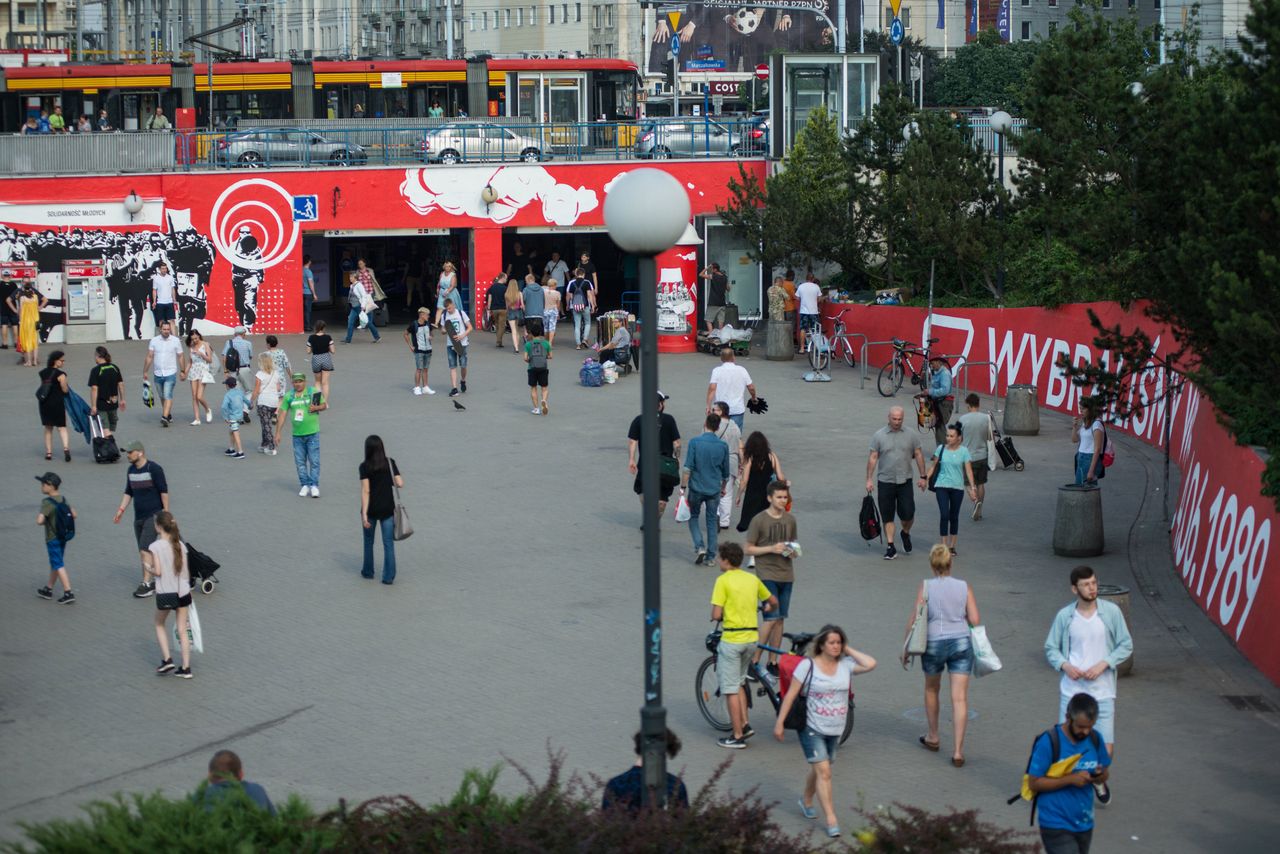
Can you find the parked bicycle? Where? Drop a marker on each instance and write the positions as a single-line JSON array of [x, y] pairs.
[[823, 349], [907, 361], [712, 704]]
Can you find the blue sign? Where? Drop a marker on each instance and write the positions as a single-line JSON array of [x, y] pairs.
[[306, 208], [895, 31], [704, 51], [675, 45], [705, 65]]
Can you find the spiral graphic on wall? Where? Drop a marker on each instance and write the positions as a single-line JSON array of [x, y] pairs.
[[252, 224]]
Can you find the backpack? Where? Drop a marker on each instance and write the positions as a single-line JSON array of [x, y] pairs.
[[64, 524], [537, 355], [1055, 750], [1108, 451], [233, 359], [869, 519]]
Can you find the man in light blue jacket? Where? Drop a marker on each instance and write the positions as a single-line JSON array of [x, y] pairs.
[[1087, 642]]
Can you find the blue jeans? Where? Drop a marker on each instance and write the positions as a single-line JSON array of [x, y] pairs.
[[737, 419], [949, 503], [581, 325], [388, 549], [306, 456], [353, 317], [1082, 467], [307, 299], [696, 503]]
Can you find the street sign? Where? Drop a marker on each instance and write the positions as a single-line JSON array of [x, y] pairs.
[[895, 5], [762, 71], [895, 30], [675, 45], [306, 208]]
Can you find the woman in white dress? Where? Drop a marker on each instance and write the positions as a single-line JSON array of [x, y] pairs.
[[447, 287], [201, 374]]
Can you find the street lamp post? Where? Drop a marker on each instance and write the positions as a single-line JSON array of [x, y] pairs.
[[646, 212], [1001, 122]]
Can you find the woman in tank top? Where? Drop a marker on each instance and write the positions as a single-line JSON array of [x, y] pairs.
[[951, 611]]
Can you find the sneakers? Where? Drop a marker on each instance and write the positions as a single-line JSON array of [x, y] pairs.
[[535, 411], [183, 673], [208, 416], [417, 390], [453, 392], [701, 558], [977, 511], [270, 452], [69, 597], [315, 492], [732, 743], [165, 666], [426, 389], [890, 553], [238, 455], [45, 593], [906, 542], [545, 408], [747, 732], [304, 492], [807, 812], [196, 423], [145, 589], [229, 452], [464, 386], [164, 422], [772, 669], [1103, 791]]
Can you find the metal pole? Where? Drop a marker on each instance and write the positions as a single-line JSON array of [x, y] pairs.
[[675, 85], [1000, 211], [842, 27], [448, 24], [653, 716]]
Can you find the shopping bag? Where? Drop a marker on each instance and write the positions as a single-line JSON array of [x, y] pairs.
[[364, 319], [193, 630], [682, 509], [402, 530], [992, 459], [985, 659]]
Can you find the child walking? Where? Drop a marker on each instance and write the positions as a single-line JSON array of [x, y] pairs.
[[54, 514], [537, 353], [233, 407]]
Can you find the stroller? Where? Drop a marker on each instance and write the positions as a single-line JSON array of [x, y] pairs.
[[202, 568]]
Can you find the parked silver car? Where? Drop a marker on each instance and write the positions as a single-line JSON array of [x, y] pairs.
[[467, 141], [687, 136], [285, 146]]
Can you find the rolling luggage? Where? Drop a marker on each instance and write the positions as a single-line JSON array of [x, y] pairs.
[[202, 568], [105, 449], [1008, 454]]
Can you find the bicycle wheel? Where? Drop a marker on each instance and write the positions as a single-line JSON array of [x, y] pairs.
[[846, 350], [848, 725], [819, 353], [890, 379], [710, 701]]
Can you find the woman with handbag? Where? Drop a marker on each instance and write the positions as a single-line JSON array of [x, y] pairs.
[[379, 478], [268, 389], [52, 395], [949, 609], [826, 679], [951, 469], [362, 299], [170, 569]]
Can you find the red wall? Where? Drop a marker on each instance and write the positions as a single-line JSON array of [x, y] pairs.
[[1221, 534], [217, 203]]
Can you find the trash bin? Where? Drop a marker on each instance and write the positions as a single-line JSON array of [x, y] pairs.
[[1120, 596], [1021, 411], [1077, 523], [780, 346]]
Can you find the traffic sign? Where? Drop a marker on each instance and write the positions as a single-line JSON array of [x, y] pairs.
[[762, 71], [895, 30], [675, 45]]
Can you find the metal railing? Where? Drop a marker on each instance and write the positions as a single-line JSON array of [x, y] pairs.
[[359, 143], [862, 357]]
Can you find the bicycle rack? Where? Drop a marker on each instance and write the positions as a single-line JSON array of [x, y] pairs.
[[961, 382], [856, 335], [862, 357]]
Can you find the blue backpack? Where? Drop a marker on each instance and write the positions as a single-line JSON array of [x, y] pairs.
[[592, 374], [64, 524]]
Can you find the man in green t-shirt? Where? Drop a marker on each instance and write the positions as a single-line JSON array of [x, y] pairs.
[[734, 600], [537, 355], [301, 408]]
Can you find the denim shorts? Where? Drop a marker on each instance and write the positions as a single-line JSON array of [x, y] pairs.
[[781, 589], [1105, 725], [954, 655], [54, 548], [732, 662], [165, 385], [422, 361], [456, 361], [818, 747]]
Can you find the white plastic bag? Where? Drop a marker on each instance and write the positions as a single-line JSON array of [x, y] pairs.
[[610, 372], [364, 319], [985, 659], [682, 509], [193, 630]]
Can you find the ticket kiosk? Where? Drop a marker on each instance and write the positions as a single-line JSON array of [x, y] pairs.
[[85, 286]]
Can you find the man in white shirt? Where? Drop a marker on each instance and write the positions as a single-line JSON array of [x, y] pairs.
[[166, 353], [558, 270], [809, 293], [457, 326], [730, 382], [162, 295]]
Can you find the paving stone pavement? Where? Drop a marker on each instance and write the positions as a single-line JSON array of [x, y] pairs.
[[515, 620]]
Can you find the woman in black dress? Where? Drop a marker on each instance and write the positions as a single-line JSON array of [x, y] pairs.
[[52, 395], [378, 506], [759, 466]]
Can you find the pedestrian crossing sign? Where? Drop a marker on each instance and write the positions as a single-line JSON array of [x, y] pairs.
[[306, 208]]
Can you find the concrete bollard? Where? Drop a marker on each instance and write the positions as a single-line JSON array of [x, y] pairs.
[[780, 345], [1120, 596], [1077, 525], [1021, 411]]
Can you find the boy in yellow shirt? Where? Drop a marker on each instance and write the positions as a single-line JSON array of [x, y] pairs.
[[734, 600]]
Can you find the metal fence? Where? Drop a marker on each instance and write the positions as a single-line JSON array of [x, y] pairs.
[[99, 153]]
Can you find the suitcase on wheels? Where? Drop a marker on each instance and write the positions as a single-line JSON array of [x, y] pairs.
[[105, 449], [1008, 454]]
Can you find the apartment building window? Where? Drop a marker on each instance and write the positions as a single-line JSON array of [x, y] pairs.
[[577, 8], [1157, 6], [439, 31], [1053, 3], [1026, 2], [609, 51], [533, 16], [1026, 31], [520, 17], [551, 13], [506, 18], [1133, 3], [484, 20], [473, 22], [1106, 4], [1053, 27], [906, 18], [608, 14], [564, 10]]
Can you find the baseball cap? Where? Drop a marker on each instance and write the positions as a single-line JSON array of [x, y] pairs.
[[134, 446], [50, 478], [300, 376], [230, 382], [241, 330], [662, 395]]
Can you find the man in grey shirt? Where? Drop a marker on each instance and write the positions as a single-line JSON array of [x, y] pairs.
[[893, 449], [705, 476], [976, 427], [731, 435], [534, 300]]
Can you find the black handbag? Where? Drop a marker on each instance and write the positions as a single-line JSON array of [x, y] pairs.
[[42, 393], [167, 601], [933, 476], [798, 716], [669, 467]]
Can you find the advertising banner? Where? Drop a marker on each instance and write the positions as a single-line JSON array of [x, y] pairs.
[[737, 35]]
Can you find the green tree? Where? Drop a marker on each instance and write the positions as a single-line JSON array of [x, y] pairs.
[[984, 73], [873, 157]]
